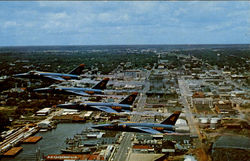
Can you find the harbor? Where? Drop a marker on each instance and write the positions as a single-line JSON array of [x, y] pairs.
[[15, 137], [51, 143]]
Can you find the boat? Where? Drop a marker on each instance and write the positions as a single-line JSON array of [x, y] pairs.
[[43, 130]]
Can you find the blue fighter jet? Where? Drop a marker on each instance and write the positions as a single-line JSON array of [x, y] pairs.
[[97, 90], [74, 74], [124, 106], [167, 126]]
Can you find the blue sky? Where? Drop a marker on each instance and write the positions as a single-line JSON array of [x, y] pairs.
[[101, 23]]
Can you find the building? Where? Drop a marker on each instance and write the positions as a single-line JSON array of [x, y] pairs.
[[43, 112], [225, 109], [45, 124], [142, 149], [208, 101], [168, 147], [88, 114], [69, 111], [233, 147], [107, 152], [132, 74]]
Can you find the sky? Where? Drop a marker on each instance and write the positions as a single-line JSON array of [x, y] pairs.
[[130, 22]]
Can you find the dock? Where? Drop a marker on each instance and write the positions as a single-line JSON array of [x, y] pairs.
[[16, 137], [32, 139], [13, 151]]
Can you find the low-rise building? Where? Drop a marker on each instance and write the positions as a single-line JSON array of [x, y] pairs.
[[43, 112], [142, 149], [225, 109], [44, 124]]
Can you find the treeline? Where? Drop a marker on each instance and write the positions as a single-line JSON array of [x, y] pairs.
[[231, 57], [64, 62]]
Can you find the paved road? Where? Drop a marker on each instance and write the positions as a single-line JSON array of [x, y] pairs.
[[122, 152], [187, 110], [194, 128]]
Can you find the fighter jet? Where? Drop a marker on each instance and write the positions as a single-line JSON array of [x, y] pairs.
[[124, 106], [74, 74], [97, 90], [167, 126]]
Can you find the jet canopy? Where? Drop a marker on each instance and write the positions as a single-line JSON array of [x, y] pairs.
[[116, 121], [53, 86], [33, 72]]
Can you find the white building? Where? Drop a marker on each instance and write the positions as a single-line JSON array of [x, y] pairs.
[[43, 112]]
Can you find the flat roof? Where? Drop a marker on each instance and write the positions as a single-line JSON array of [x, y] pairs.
[[13, 151], [32, 139], [144, 157], [232, 142], [142, 147]]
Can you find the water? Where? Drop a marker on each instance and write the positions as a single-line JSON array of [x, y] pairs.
[[51, 143]]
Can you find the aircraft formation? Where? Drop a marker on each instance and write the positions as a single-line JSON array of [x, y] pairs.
[[126, 105]]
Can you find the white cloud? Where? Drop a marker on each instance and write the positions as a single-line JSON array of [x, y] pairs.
[[8, 24], [121, 22], [60, 15]]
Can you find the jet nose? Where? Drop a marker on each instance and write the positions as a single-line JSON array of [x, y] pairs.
[[67, 105], [62, 105], [39, 90], [99, 127], [19, 75]]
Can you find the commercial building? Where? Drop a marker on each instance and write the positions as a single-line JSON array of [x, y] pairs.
[[43, 112]]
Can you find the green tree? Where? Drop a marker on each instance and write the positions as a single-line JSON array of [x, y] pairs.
[[4, 121]]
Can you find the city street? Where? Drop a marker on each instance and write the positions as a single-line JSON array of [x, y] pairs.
[[123, 148]]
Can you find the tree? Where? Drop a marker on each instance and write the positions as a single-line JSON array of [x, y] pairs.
[[4, 121]]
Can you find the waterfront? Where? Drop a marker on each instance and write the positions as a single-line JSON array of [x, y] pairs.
[[51, 142]]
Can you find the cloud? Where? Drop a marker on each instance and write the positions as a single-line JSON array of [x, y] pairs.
[[48, 23], [9, 24]]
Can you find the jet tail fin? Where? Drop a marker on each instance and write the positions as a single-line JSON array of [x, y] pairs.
[[77, 70], [130, 99], [102, 84], [171, 120]]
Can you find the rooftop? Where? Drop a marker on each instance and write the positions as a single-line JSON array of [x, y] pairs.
[[232, 142]]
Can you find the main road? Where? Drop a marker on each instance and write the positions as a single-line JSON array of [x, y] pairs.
[[187, 110], [194, 128], [122, 152]]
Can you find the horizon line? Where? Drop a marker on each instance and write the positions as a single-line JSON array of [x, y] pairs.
[[122, 44]]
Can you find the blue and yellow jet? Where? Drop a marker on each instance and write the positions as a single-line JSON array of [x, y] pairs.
[[74, 74], [124, 106], [167, 126], [95, 91]]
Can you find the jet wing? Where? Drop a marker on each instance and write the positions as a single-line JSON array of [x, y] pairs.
[[147, 130], [125, 110], [79, 93], [82, 93], [56, 78], [105, 109]]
